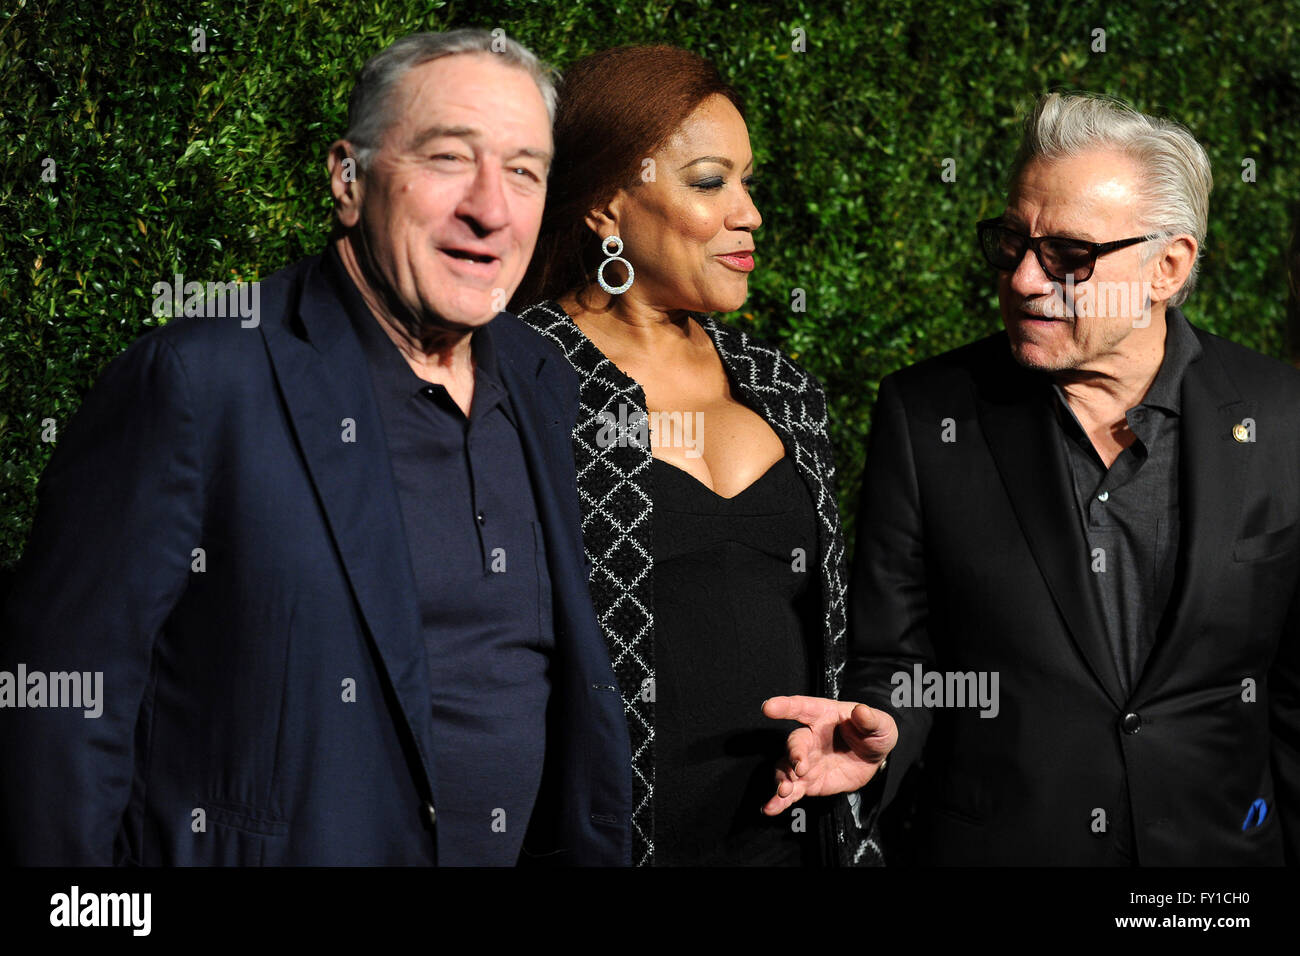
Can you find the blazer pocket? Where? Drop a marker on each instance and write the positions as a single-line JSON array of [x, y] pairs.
[[1262, 831], [960, 815], [1261, 546], [245, 819], [240, 836]]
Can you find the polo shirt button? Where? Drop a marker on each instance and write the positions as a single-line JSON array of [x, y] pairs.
[[433, 814], [481, 518], [1104, 496], [1131, 723]]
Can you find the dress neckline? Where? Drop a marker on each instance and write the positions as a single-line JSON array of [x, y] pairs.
[[771, 470]]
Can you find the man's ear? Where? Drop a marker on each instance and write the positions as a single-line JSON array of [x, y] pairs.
[[1170, 269], [345, 183]]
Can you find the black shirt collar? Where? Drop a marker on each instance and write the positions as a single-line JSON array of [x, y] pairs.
[[389, 367], [1181, 350], [1165, 392]]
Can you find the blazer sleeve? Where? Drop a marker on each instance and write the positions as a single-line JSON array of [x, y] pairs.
[[1284, 725], [118, 517], [888, 605]]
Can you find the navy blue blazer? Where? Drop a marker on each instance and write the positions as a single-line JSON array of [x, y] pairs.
[[266, 699]]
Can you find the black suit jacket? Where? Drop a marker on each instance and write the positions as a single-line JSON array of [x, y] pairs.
[[224, 688], [970, 557]]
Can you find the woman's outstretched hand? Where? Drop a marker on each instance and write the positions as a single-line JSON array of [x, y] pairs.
[[838, 750]]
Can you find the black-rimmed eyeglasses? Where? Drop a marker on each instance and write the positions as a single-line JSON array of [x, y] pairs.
[[1058, 256]]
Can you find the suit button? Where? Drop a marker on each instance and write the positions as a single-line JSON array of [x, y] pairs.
[[1131, 723], [433, 814], [482, 518]]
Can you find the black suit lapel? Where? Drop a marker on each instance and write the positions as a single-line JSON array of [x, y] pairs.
[[1213, 466], [324, 381], [1016, 416]]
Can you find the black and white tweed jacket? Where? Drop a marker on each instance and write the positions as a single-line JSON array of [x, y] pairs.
[[615, 492]]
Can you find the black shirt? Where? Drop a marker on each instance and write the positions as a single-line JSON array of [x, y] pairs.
[[479, 564], [1130, 513]]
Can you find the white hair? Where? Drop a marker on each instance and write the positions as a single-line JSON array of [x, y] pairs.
[[1175, 170], [369, 108]]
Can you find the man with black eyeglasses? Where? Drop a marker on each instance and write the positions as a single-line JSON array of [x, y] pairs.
[[1074, 609]]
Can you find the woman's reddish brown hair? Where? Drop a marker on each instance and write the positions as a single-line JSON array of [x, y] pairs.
[[616, 108]]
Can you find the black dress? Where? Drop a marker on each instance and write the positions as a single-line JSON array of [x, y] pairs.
[[735, 623]]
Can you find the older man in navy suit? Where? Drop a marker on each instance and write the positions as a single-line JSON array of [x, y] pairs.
[[327, 563]]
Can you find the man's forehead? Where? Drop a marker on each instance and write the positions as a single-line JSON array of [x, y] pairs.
[[469, 90], [1099, 186]]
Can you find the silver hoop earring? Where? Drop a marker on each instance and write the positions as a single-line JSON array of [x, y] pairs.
[[612, 246]]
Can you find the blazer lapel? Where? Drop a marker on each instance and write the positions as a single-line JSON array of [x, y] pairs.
[[1213, 467], [325, 384], [1015, 414], [539, 421]]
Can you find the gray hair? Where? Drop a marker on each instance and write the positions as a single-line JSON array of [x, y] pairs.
[[1175, 178], [369, 108]]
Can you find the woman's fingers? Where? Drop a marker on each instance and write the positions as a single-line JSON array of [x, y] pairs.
[[788, 790]]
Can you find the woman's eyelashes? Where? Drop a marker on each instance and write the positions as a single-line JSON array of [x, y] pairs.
[[717, 182]]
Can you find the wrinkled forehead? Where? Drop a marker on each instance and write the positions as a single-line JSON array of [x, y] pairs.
[[475, 90], [1094, 192]]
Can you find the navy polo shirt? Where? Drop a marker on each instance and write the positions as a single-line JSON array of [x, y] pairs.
[[484, 595]]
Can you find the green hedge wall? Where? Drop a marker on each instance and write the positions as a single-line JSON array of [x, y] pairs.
[[212, 163]]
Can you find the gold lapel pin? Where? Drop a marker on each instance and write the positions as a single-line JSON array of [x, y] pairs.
[[1241, 433]]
